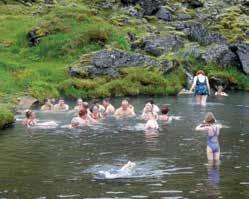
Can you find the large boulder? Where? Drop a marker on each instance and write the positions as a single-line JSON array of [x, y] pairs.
[[157, 46], [109, 62], [220, 54], [148, 7], [164, 14], [25, 102], [199, 33], [193, 3], [242, 51]]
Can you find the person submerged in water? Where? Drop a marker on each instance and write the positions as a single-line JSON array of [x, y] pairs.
[[95, 113], [79, 105], [61, 106], [165, 114], [220, 92], [151, 122], [125, 110], [96, 102], [48, 106], [147, 111], [30, 119], [83, 119], [109, 108], [213, 130]]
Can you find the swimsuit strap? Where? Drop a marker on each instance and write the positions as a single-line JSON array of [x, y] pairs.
[[215, 130]]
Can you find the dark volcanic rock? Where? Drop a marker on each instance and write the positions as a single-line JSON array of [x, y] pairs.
[[157, 46], [193, 3], [149, 7], [242, 51], [220, 54], [164, 14], [202, 35], [109, 62], [33, 39]]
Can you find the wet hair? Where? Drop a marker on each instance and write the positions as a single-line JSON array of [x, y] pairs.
[[82, 112], [46, 100], [150, 100], [200, 72], [209, 118], [94, 107], [28, 114], [107, 100], [164, 110], [220, 87], [85, 105]]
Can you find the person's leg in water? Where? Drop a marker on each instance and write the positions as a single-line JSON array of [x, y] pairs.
[[204, 100], [198, 99], [217, 157], [210, 154]]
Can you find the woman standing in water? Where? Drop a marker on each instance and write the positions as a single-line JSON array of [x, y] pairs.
[[202, 87], [29, 120], [213, 131]]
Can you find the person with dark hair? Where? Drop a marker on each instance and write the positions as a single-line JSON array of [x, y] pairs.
[[156, 109], [165, 114], [95, 113], [29, 120], [213, 130], [61, 106], [109, 108], [97, 103], [48, 106], [201, 86], [82, 119]]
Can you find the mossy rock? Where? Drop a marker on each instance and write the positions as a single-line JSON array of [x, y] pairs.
[[6, 117]]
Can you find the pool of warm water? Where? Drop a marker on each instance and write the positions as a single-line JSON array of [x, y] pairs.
[[63, 163]]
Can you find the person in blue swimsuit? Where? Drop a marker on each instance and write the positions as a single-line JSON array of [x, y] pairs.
[[213, 130], [201, 87]]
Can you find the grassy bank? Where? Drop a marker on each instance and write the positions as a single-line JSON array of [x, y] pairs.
[[67, 31]]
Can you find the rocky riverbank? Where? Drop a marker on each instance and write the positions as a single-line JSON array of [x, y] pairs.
[[111, 48]]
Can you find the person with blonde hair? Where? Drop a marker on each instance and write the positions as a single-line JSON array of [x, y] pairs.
[[202, 87], [152, 122], [220, 92], [213, 130]]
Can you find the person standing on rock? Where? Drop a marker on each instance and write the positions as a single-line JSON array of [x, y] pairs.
[[202, 87]]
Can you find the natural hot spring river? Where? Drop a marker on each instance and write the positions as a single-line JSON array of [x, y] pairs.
[[62, 163]]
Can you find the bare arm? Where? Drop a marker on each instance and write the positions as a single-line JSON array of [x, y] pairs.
[[208, 85], [201, 127], [193, 85]]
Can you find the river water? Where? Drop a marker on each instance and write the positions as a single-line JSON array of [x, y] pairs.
[[64, 163]]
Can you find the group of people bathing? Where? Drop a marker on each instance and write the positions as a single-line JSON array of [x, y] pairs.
[[94, 113]]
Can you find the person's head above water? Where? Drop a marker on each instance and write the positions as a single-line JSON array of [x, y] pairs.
[[85, 105], [61, 102], [106, 102], [94, 109], [83, 112], [220, 88], [150, 100], [148, 107], [200, 72], [164, 110], [28, 114], [79, 102], [209, 118], [125, 104], [47, 101]]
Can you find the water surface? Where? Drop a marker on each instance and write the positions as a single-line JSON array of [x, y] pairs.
[[63, 163]]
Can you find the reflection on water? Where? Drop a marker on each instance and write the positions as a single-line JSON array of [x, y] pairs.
[[65, 163]]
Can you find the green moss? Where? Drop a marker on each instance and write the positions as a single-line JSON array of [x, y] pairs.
[[233, 24], [6, 117]]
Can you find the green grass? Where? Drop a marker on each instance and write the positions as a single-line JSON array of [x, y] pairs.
[[6, 117]]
